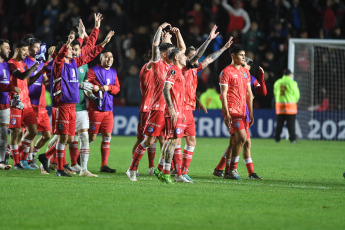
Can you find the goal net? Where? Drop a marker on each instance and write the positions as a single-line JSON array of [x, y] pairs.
[[318, 66]]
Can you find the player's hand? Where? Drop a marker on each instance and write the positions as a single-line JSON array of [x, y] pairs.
[[175, 30], [86, 86], [98, 19], [17, 90], [227, 120], [261, 70], [71, 38], [81, 30], [51, 50], [104, 88], [213, 33], [251, 117], [95, 88], [165, 24], [229, 43], [108, 37], [173, 116]]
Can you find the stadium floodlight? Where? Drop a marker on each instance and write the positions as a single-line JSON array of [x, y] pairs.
[[318, 66]]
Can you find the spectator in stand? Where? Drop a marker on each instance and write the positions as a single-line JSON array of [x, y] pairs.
[[253, 39], [197, 16], [130, 93], [239, 18], [278, 37], [296, 18], [52, 11], [46, 33], [131, 60]]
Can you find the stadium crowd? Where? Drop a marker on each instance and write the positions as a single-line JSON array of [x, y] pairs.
[[264, 27]]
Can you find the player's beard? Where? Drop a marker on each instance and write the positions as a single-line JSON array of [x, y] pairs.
[[3, 55]]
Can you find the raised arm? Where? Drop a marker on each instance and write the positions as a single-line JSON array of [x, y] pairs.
[[180, 41], [262, 90], [155, 45], [227, 7], [212, 57], [200, 51]]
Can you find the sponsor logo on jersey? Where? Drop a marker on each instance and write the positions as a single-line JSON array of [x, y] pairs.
[[172, 72], [150, 129], [61, 126], [13, 121], [245, 75], [237, 124], [178, 131], [92, 127]]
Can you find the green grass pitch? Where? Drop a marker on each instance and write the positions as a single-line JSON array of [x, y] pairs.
[[303, 188]]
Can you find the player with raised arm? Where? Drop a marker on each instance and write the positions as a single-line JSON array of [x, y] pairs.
[[22, 114], [66, 95], [260, 87], [155, 123], [5, 87], [101, 117], [191, 100], [235, 94], [38, 101], [82, 116]]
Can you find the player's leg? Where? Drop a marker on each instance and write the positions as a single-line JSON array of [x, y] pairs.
[[188, 154], [279, 127], [228, 156], [4, 120], [84, 153], [168, 155], [177, 158], [24, 146], [106, 129], [240, 139], [248, 160], [14, 138], [290, 123], [218, 171]]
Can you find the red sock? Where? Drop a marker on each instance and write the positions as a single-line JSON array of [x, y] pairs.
[[51, 151], [60, 154], [73, 152], [187, 158], [234, 162], [53, 159], [138, 154], [172, 166], [105, 148], [222, 164], [15, 153], [23, 145], [151, 155], [249, 165], [177, 161]]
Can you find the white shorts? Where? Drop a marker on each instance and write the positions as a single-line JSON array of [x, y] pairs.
[[5, 116], [82, 120]]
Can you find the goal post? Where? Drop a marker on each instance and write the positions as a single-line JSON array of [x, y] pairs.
[[318, 66]]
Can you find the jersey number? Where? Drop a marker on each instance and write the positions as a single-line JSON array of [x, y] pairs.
[[282, 90]]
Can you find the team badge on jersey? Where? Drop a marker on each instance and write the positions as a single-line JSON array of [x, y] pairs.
[[61, 127], [92, 127], [172, 72], [237, 124], [178, 131], [81, 70], [245, 75], [150, 129], [13, 121]]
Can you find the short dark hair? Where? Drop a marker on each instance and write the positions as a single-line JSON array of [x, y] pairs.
[[163, 47], [19, 44], [173, 53], [31, 40], [234, 49], [2, 41], [75, 42], [189, 49]]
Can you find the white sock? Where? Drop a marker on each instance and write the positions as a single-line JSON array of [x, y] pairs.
[[84, 150], [3, 142]]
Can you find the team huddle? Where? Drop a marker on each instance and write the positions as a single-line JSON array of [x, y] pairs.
[[82, 104]]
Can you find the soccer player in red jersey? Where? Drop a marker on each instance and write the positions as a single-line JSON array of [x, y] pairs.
[[38, 101], [155, 123], [191, 100], [66, 95], [259, 87], [5, 87], [101, 117], [236, 93], [26, 116]]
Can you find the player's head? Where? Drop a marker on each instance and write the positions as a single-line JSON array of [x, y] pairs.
[[34, 45], [165, 48], [76, 49], [249, 63], [107, 59], [5, 49], [190, 52], [238, 54], [21, 49], [177, 57]]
